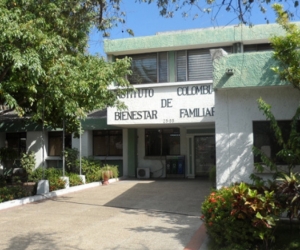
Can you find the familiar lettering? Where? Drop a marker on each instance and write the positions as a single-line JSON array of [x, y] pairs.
[[196, 112]]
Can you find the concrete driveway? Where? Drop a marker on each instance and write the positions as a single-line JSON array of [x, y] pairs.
[[129, 214]]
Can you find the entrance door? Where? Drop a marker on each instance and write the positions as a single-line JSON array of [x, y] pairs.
[[205, 154]]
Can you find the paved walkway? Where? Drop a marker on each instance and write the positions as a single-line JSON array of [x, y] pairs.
[[129, 214]]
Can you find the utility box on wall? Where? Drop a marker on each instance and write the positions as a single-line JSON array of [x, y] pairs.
[[175, 166]]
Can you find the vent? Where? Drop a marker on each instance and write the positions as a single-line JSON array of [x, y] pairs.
[[143, 173]]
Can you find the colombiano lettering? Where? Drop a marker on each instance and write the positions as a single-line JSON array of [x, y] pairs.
[[195, 90]]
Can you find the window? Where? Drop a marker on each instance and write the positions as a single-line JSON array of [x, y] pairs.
[[16, 141], [195, 65], [258, 47], [264, 139], [107, 143], [149, 68], [55, 143], [162, 142]]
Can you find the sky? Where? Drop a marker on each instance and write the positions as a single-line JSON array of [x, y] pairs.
[[144, 20]]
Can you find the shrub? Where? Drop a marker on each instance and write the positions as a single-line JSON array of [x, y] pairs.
[[12, 192], [91, 169], [288, 193], [248, 215], [74, 179], [37, 175], [53, 176], [71, 156], [27, 162], [56, 183]]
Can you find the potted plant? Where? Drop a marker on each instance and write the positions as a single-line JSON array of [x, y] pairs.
[[106, 174]]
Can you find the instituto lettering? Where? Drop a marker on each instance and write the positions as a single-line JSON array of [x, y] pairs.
[[139, 93]]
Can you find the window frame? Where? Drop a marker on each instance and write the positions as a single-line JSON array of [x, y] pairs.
[[17, 137], [266, 131], [187, 54], [109, 134], [164, 146], [58, 134], [158, 67]]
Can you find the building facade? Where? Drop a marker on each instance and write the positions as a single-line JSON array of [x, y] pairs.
[[199, 88], [194, 107]]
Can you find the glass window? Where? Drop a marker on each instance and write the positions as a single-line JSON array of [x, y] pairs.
[[149, 68], [258, 47], [55, 143], [107, 143], [16, 141], [195, 65], [162, 142], [265, 140]]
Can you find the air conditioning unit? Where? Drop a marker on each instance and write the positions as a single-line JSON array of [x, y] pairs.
[[143, 173]]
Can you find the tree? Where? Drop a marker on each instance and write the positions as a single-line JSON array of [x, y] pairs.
[[240, 9], [45, 72], [286, 49]]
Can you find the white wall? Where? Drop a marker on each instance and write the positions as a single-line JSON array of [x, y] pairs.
[[236, 109], [86, 143], [35, 142]]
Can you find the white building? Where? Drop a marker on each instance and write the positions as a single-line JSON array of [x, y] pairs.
[[195, 106]]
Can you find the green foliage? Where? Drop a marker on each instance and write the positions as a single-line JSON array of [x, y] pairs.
[[27, 162], [288, 193], [113, 168], [91, 169], [8, 154], [285, 183], [44, 68], [36, 175], [237, 10], [12, 192], [71, 156], [286, 48], [53, 175], [212, 175], [74, 179], [287, 235], [290, 149], [248, 213], [2, 181]]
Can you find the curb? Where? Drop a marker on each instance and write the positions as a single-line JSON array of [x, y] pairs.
[[198, 241], [39, 197]]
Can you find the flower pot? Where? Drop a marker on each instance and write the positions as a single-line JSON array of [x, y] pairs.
[[106, 175]]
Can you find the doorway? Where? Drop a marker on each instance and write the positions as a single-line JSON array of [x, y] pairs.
[[205, 154]]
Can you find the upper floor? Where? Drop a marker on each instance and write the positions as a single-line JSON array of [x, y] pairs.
[[190, 56]]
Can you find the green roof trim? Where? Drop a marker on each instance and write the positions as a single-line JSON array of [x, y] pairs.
[[24, 125], [96, 123], [208, 37], [19, 125]]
